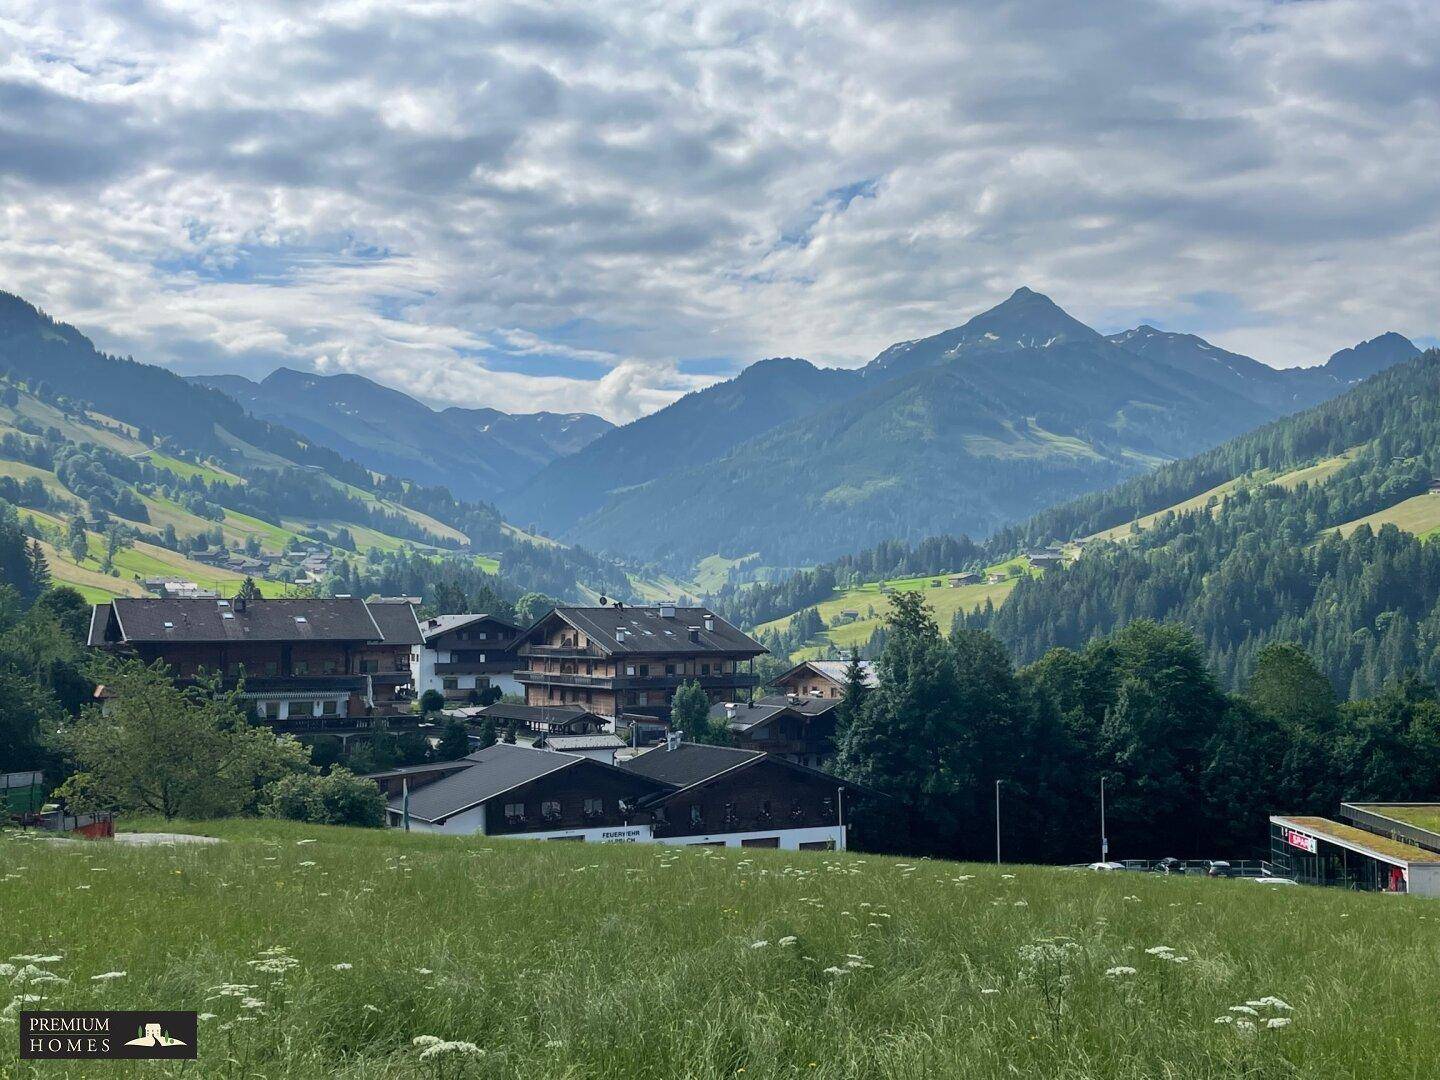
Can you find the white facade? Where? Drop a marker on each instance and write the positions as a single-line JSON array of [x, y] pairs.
[[422, 669], [472, 822]]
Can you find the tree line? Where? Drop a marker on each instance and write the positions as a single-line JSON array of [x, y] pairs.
[[1190, 769]]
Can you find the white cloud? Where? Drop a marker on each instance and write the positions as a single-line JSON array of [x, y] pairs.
[[549, 206]]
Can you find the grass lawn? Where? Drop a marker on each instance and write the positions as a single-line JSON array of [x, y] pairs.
[[185, 469], [326, 959], [1419, 515], [872, 604], [1422, 817]]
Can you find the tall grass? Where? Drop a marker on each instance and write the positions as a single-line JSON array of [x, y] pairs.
[[568, 960]]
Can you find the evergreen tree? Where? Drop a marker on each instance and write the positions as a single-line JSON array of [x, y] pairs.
[[853, 697], [690, 714], [454, 743], [76, 540]]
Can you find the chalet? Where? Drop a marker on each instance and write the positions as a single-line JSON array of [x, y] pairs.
[[821, 678], [994, 579], [970, 577], [620, 659], [681, 793], [797, 728], [724, 796], [463, 655], [1046, 562], [307, 665]]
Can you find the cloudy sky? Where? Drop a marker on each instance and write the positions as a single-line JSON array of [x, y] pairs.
[[601, 205]]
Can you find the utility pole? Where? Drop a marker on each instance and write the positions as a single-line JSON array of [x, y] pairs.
[[997, 821], [1104, 840]]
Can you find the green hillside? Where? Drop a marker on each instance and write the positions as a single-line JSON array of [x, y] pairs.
[[635, 962], [1320, 538]]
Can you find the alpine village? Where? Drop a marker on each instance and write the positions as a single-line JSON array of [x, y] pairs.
[[719, 541]]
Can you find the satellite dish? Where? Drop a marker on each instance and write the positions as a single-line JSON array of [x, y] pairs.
[[603, 601]]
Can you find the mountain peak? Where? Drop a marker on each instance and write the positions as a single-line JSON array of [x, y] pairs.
[[1369, 357]]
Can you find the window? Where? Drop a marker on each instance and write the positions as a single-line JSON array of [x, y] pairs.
[[550, 809], [594, 807], [644, 671], [369, 667], [669, 669], [450, 682], [761, 841], [329, 708], [629, 669], [302, 667], [515, 811], [271, 667], [704, 669], [262, 709], [330, 667], [817, 845], [695, 816], [301, 708]]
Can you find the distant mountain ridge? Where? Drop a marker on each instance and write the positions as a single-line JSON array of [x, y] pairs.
[[475, 452], [967, 430]]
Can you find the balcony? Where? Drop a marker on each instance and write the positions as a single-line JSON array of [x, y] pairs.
[[731, 680], [475, 667], [561, 651]]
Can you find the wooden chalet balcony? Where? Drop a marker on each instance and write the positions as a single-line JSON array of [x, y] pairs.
[[561, 650], [474, 667], [736, 679]]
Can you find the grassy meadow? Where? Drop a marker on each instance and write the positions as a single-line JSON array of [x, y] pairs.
[[323, 952]]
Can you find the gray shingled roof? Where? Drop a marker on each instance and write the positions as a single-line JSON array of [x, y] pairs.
[[568, 743], [550, 714], [688, 763], [497, 769], [443, 624], [396, 622], [746, 716], [647, 632], [146, 619]]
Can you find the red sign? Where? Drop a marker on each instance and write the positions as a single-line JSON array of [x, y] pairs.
[[1300, 840]]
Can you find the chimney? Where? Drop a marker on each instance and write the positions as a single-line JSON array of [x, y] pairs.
[[667, 609], [695, 634], [672, 740], [620, 634], [709, 622]]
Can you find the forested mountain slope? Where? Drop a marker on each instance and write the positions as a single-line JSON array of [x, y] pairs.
[[139, 456], [966, 431], [477, 453], [1270, 563]]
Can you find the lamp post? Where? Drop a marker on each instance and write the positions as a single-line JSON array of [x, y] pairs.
[[1104, 841], [997, 821]]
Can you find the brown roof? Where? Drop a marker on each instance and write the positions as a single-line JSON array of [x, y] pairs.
[[397, 622], [648, 632]]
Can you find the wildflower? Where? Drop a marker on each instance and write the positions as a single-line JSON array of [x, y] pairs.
[[1117, 972], [107, 975], [836, 971], [988, 991], [423, 971], [1020, 903], [788, 940], [759, 944], [1277, 1022], [1007, 877], [342, 967], [1244, 1009], [32, 958], [1273, 1002], [251, 1003], [426, 1040], [206, 1016], [1224, 1019], [370, 1008], [299, 842], [1159, 950]]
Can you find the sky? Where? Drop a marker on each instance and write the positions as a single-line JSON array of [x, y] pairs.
[[603, 205]]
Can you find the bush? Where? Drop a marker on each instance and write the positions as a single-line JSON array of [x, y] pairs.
[[340, 798]]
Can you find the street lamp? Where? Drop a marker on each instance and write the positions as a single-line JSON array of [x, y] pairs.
[[997, 821], [1104, 841]]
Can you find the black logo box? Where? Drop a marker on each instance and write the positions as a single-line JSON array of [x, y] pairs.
[[107, 1036]]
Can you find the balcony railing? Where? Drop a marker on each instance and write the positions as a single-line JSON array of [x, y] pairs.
[[474, 667], [638, 682], [560, 650]]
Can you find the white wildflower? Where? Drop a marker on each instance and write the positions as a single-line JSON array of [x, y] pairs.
[[759, 944], [423, 971], [1117, 972], [1277, 1022], [788, 939], [426, 1040], [1159, 950], [342, 967], [107, 975], [1273, 1002], [1244, 1009], [988, 991]]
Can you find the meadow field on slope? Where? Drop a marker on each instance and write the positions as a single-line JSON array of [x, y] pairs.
[[324, 952]]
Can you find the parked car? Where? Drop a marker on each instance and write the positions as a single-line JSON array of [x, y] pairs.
[[1219, 868], [1170, 866], [1107, 866]]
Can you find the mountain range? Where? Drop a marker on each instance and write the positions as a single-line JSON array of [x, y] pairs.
[[968, 430], [476, 453]]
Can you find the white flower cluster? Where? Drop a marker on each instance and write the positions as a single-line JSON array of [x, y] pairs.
[[1166, 953], [1262, 1014], [275, 960], [432, 1046]]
